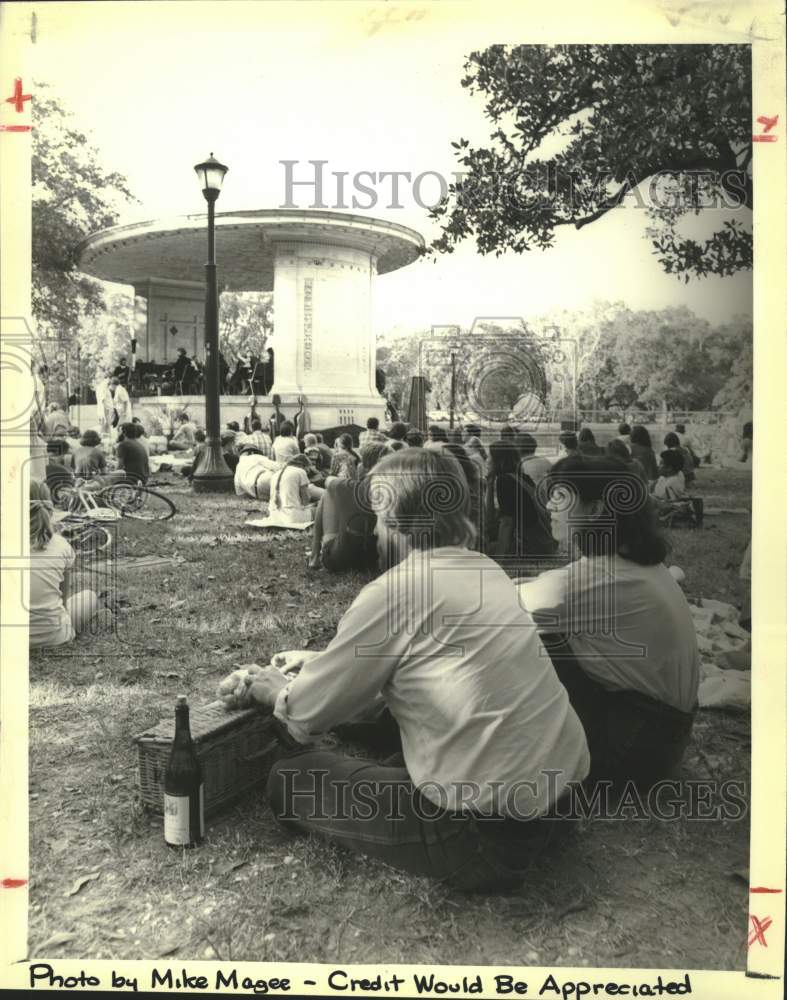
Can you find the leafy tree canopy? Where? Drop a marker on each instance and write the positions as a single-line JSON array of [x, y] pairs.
[[675, 116], [73, 195], [245, 323]]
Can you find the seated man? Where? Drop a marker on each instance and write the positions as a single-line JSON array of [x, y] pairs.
[[183, 438], [372, 434], [253, 473], [489, 741], [616, 623], [344, 522]]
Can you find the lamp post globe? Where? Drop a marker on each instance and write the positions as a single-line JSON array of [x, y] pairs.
[[212, 474]]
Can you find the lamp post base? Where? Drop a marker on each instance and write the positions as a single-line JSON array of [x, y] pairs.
[[213, 474]]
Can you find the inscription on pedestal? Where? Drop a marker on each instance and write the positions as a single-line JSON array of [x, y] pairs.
[[308, 286]]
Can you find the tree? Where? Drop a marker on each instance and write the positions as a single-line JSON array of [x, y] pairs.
[[245, 323], [72, 197], [102, 337], [736, 392], [674, 118]]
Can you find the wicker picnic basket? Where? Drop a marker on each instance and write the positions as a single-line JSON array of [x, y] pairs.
[[235, 747]]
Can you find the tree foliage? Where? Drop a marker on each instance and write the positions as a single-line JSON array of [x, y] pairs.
[[73, 195], [668, 359], [245, 323], [667, 127]]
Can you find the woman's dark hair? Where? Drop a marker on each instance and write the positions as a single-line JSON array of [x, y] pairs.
[[90, 439], [618, 450], [436, 433], [233, 425], [569, 440], [468, 465], [397, 431], [680, 428], [199, 434], [624, 429], [414, 439], [504, 457], [672, 461], [526, 443], [671, 440], [256, 425], [586, 436], [287, 429], [635, 534], [129, 430], [640, 435], [372, 423], [346, 441]]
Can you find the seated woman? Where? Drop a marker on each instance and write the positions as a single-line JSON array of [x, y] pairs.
[[344, 521], [489, 741], [522, 526], [642, 451], [672, 442], [57, 613], [671, 484], [290, 500], [285, 445], [345, 458], [586, 442], [618, 450], [132, 455], [622, 635], [89, 459]]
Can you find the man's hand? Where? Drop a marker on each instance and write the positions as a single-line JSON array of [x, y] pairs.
[[266, 686]]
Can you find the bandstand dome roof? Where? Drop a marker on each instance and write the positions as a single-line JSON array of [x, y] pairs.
[[176, 248]]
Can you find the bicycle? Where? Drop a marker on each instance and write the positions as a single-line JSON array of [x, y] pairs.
[[85, 536], [124, 499]]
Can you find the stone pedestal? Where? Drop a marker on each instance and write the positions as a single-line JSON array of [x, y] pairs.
[[324, 342]]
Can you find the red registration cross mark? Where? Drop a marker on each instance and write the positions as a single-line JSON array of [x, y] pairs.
[[18, 99], [759, 927]]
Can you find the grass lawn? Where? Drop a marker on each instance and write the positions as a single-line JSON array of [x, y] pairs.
[[621, 893]]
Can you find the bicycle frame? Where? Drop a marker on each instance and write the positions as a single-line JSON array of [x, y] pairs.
[[90, 508]]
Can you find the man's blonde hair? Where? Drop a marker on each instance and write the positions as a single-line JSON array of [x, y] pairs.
[[422, 495]]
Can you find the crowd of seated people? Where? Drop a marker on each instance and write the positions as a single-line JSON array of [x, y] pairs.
[[479, 686]]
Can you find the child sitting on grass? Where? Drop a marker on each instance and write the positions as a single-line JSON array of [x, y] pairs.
[[57, 613]]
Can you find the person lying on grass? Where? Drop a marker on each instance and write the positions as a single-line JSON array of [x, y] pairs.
[[58, 612], [344, 522], [439, 645], [616, 623]]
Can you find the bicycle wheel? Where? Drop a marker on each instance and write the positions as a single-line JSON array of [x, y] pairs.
[[64, 496], [87, 538], [139, 502]]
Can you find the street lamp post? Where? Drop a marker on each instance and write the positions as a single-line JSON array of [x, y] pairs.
[[212, 475]]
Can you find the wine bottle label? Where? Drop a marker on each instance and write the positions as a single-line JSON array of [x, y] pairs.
[[177, 819]]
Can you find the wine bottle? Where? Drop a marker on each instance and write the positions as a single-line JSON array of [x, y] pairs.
[[184, 789]]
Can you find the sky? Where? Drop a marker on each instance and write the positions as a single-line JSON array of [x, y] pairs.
[[364, 87]]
